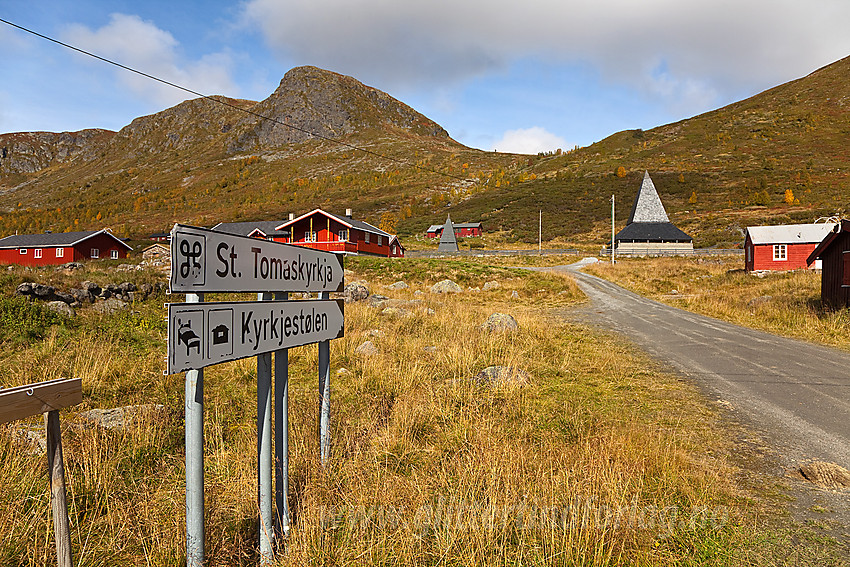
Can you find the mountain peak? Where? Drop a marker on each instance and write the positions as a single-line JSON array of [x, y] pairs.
[[312, 102]]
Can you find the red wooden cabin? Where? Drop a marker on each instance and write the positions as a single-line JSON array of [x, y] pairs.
[[782, 247], [834, 253], [336, 233], [462, 230], [61, 248]]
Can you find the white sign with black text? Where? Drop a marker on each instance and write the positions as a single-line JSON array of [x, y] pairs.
[[203, 334], [204, 260]]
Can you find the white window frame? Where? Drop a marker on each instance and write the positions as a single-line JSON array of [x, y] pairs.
[[366, 237], [780, 252], [94, 253], [36, 253], [343, 234], [310, 236], [60, 252], [113, 254], [380, 240], [22, 251]]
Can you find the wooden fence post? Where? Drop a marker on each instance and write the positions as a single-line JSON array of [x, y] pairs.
[[58, 502]]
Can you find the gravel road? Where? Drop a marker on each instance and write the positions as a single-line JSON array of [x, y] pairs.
[[796, 394]]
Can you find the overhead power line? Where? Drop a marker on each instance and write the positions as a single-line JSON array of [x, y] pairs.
[[235, 107]]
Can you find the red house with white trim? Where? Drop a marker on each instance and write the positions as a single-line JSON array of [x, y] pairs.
[[323, 231], [61, 247], [342, 234], [783, 247]]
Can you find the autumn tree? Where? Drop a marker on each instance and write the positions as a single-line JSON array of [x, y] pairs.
[[789, 196], [388, 222], [621, 171]]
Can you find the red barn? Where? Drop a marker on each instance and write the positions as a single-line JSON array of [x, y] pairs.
[[782, 247], [334, 233], [834, 253], [61, 247]]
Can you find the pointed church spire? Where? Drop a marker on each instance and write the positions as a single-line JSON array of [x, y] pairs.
[[647, 206], [448, 242]]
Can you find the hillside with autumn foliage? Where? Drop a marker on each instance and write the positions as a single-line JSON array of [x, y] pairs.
[[334, 143]]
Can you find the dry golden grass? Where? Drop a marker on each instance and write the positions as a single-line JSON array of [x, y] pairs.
[[603, 459], [785, 303]]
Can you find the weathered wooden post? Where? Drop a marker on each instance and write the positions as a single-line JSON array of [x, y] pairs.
[[48, 398]]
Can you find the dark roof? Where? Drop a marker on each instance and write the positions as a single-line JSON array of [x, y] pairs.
[[347, 221], [247, 228], [48, 239], [843, 226], [653, 232]]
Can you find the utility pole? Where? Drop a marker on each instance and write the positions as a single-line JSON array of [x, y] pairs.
[[612, 230], [540, 233]]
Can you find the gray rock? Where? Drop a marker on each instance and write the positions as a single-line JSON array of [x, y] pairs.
[[343, 372], [33, 438], [82, 296], [377, 300], [398, 285], [24, 288], [491, 285], [446, 286], [502, 376], [43, 291], [126, 287], [91, 287], [61, 308], [514, 295], [418, 293], [70, 267], [355, 291], [120, 418], [110, 305], [395, 312], [366, 349], [66, 297], [500, 323], [431, 349], [376, 333]]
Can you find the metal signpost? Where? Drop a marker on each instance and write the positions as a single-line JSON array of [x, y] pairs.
[[202, 334]]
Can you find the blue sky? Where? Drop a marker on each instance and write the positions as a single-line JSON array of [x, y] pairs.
[[513, 76]]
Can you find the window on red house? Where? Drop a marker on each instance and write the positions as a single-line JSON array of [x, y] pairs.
[[95, 253], [780, 252], [23, 250], [36, 253], [113, 254], [60, 252]]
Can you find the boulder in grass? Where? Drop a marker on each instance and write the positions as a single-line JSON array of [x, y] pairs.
[[61, 308], [500, 323], [398, 285], [366, 349], [355, 291], [494, 376], [110, 305], [491, 285], [446, 286]]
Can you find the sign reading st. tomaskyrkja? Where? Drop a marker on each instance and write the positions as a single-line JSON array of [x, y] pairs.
[[205, 260]]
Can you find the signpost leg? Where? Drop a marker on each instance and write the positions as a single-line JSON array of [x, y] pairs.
[[58, 503], [281, 431], [325, 395], [264, 452], [194, 418]]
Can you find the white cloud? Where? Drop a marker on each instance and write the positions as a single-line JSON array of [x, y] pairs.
[[131, 41], [529, 141], [712, 49]]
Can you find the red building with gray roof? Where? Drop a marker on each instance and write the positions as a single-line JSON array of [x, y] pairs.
[[52, 248]]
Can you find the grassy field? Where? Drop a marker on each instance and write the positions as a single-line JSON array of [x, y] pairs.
[[786, 303], [604, 458]]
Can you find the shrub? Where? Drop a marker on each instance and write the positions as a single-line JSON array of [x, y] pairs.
[[22, 320]]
